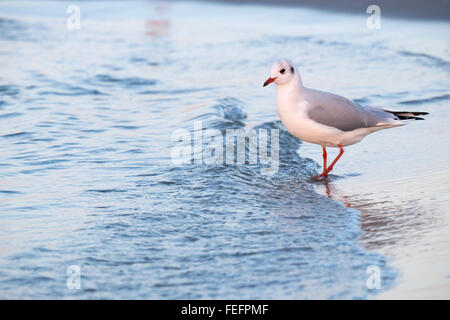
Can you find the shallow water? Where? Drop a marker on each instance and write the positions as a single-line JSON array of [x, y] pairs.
[[86, 124]]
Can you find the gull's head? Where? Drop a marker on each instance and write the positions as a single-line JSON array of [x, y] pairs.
[[281, 72]]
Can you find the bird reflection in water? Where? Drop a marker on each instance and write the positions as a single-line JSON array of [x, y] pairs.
[[332, 193], [386, 216]]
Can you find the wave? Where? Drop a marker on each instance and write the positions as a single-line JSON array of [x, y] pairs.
[[229, 202], [426, 58], [9, 90], [130, 82], [426, 100]]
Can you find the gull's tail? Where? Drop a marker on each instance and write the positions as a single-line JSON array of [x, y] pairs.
[[408, 115]]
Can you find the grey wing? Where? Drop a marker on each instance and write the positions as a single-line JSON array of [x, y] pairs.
[[343, 114]]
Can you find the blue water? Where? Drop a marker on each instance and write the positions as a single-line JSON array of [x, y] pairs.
[[86, 120]]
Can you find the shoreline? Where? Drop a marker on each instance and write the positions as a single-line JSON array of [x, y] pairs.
[[413, 9]]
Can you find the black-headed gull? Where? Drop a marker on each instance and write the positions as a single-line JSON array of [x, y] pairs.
[[325, 118]]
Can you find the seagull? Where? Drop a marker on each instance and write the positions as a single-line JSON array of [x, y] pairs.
[[325, 118]]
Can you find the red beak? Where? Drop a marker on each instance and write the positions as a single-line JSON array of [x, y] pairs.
[[268, 81]]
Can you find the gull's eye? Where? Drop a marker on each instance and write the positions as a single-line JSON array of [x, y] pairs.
[[282, 70]]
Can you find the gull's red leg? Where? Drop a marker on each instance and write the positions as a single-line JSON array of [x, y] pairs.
[[324, 160], [341, 152], [325, 172]]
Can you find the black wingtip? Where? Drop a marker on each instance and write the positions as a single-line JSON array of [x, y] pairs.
[[408, 115]]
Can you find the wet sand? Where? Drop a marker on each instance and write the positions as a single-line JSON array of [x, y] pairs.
[[416, 206]]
